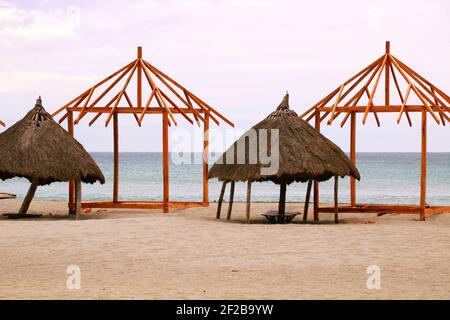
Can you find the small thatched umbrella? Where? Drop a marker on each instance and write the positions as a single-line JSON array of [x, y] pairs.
[[303, 155], [39, 149]]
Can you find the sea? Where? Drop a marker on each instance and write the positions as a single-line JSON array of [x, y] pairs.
[[385, 178]]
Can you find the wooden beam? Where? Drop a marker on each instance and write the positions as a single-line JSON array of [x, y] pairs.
[[139, 79], [205, 158], [145, 110], [418, 93], [165, 134], [116, 158], [316, 182], [249, 193], [353, 157], [29, 197], [70, 130], [386, 81], [282, 203], [136, 110], [77, 198], [230, 203], [423, 166], [308, 195], [108, 119], [131, 106], [200, 102], [196, 115], [378, 208], [158, 96], [383, 109], [96, 86], [336, 200], [219, 203], [372, 94], [400, 95], [139, 204], [404, 103]]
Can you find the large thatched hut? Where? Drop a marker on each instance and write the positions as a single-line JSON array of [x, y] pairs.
[[39, 149], [298, 153]]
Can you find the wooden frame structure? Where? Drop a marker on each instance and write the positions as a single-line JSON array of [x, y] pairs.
[[170, 99], [431, 101], [2, 124]]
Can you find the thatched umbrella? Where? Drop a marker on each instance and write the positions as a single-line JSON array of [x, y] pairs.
[[39, 149], [303, 155]]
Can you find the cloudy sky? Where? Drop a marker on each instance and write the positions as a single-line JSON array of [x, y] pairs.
[[240, 56]]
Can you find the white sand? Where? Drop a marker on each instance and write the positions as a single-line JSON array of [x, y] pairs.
[[188, 254]]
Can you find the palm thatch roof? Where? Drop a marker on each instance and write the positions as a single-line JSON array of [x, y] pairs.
[[304, 153], [36, 147]]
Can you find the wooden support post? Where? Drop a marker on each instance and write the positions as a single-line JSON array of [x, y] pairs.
[[316, 182], [165, 141], [205, 159], [308, 195], [219, 203], [282, 203], [139, 79], [70, 130], [423, 167], [78, 198], [230, 203], [30, 195], [336, 200], [249, 194], [116, 157], [387, 74], [353, 157]]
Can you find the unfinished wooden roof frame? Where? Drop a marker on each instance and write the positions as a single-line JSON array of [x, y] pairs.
[[190, 106], [433, 102]]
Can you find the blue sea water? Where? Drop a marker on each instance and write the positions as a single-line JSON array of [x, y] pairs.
[[385, 178]]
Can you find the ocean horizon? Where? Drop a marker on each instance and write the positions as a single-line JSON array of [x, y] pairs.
[[386, 177]]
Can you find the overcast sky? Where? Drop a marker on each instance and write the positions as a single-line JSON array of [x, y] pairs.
[[239, 56]]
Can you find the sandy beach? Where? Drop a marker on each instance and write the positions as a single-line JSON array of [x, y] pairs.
[[188, 254]]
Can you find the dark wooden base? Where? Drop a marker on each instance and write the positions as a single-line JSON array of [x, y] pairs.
[[274, 217], [141, 205]]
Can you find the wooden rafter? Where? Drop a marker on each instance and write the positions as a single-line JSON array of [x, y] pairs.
[[170, 96], [433, 100], [2, 123]]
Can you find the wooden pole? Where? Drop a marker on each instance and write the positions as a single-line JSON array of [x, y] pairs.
[[78, 198], [116, 157], [30, 194], [249, 193], [70, 129], [165, 128], [353, 157], [386, 85], [316, 182], [336, 201], [308, 195], [205, 159], [282, 203], [230, 203], [423, 167], [139, 79], [219, 204]]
